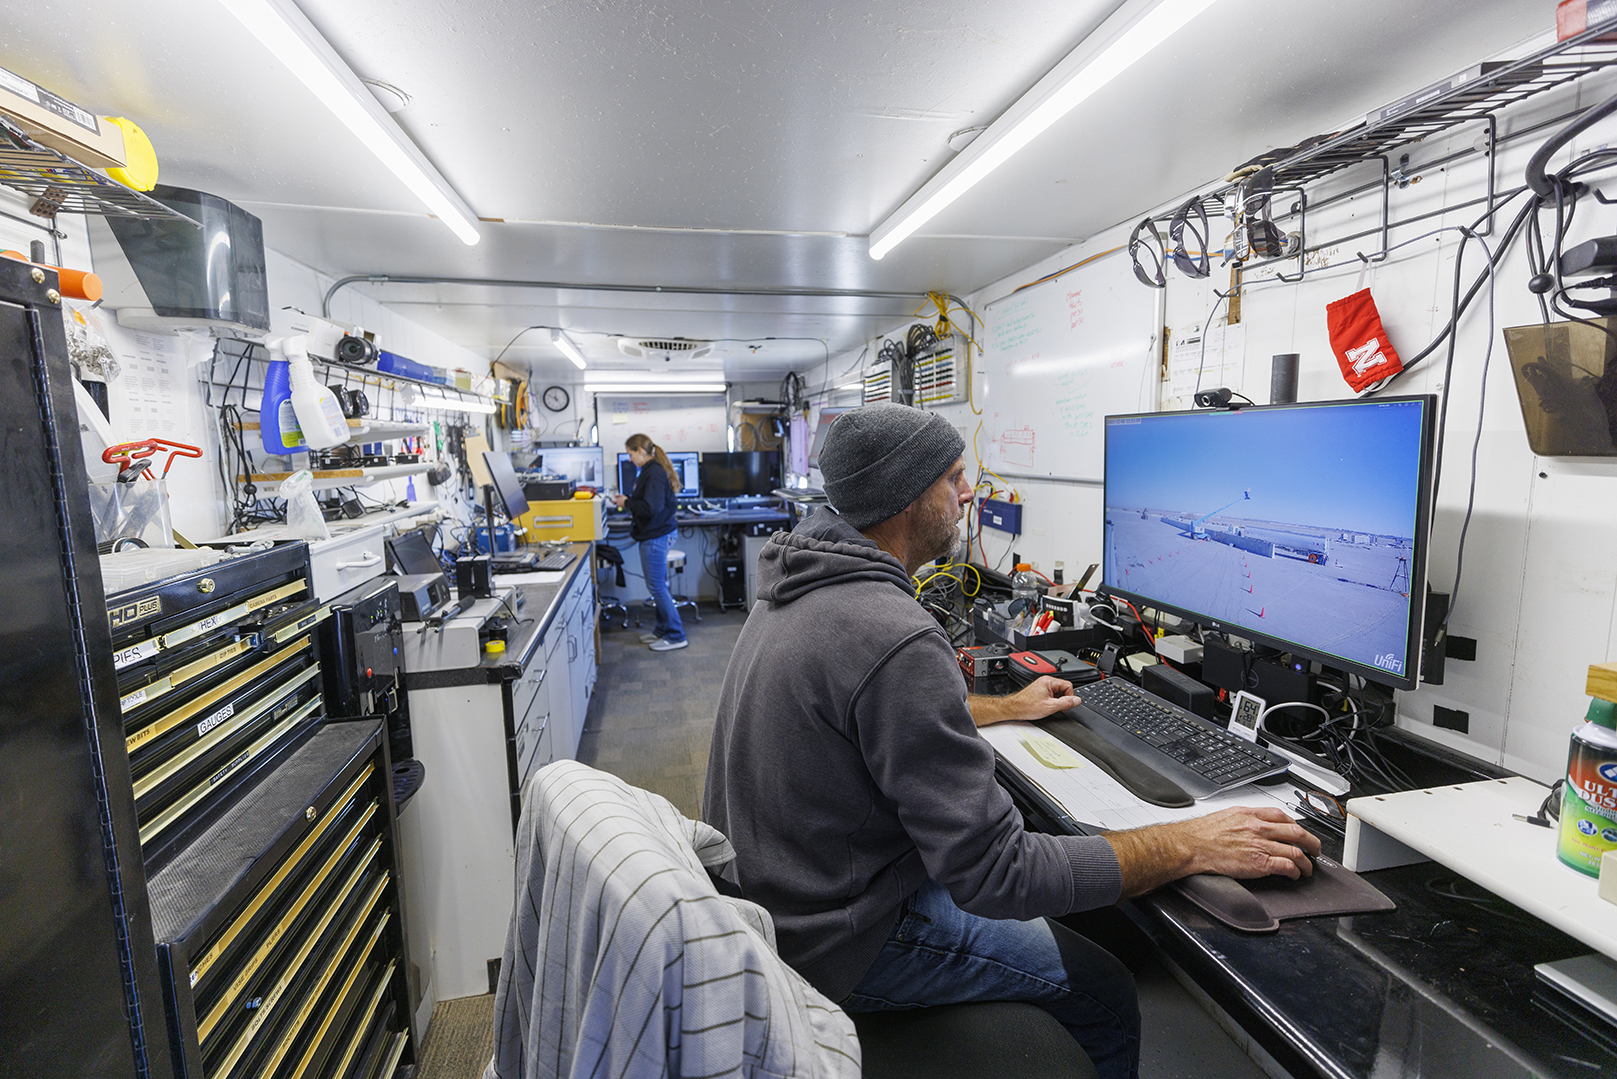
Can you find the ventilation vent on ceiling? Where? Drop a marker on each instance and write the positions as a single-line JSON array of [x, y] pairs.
[[668, 348]]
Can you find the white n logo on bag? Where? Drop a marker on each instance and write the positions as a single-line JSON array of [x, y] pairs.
[[1366, 356]]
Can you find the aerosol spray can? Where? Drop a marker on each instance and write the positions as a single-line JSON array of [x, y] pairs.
[[1589, 804]]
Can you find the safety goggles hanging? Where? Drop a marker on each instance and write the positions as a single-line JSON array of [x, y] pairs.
[[1147, 240], [1196, 265]]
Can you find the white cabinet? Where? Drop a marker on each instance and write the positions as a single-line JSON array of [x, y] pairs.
[[481, 732], [346, 561]]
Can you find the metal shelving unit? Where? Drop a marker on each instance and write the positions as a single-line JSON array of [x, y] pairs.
[[61, 185], [327, 479], [1418, 117]]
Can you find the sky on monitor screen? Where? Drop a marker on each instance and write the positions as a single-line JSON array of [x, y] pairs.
[[1352, 466]]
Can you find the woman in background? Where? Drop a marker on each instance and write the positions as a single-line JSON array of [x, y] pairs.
[[652, 506]]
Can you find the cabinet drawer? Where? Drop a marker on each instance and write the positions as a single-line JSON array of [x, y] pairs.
[[527, 687], [537, 753], [345, 562]]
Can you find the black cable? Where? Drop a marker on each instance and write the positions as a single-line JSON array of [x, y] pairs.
[[1544, 185], [1202, 367]]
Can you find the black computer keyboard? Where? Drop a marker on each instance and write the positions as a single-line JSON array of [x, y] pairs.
[[555, 560], [1207, 758]]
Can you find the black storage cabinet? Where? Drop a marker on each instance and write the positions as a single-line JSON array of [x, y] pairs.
[[79, 988]]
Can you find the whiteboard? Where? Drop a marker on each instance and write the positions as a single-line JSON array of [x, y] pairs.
[[674, 422], [1058, 358]]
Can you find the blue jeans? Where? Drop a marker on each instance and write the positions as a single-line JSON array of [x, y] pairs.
[[939, 954], [654, 562]]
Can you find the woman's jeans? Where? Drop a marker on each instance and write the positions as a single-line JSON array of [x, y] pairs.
[[654, 561]]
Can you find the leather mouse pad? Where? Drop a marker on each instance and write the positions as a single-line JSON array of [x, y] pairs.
[[1259, 906]]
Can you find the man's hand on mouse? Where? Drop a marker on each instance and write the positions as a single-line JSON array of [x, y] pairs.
[[1044, 696], [1237, 842]]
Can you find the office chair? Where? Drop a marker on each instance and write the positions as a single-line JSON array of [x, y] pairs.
[[966, 1041], [623, 958], [609, 557], [676, 566]]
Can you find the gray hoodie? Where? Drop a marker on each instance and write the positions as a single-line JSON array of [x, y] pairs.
[[846, 768]]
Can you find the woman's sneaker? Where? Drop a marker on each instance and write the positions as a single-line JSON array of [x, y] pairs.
[[666, 645], [648, 638]]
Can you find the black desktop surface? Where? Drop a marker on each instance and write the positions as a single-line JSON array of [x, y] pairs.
[[1443, 986]]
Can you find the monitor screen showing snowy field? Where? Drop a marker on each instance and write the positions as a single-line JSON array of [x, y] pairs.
[[1300, 526]]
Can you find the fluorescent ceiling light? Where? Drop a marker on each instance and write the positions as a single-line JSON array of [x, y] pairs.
[[560, 339], [1129, 34], [655, 387], [287, 33]]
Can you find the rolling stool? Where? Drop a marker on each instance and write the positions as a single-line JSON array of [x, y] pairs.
[[676, 565]]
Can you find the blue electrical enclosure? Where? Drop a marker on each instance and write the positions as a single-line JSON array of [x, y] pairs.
[[1002, 516]]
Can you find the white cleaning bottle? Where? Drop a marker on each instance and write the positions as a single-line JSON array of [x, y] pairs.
[[319, 413]]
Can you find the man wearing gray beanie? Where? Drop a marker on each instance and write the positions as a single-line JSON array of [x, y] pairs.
[[847, 772]]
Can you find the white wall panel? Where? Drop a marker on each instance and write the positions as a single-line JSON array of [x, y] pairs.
[[1539, 592]]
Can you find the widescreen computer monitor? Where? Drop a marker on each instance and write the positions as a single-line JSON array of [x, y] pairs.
[[1303, 527], [685, 465], [581, 464], [734, 475], [506, 483]]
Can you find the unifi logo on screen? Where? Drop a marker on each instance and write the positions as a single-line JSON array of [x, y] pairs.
[[1366, 356], [1390, 662]]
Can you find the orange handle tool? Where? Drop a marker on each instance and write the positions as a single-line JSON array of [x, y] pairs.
[[126, 454], [74, 284]]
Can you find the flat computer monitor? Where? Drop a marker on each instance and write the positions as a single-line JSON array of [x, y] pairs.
[[506, 483], [581, 464], [685, 465], [1303, 527], [735, 475], [412, 553]]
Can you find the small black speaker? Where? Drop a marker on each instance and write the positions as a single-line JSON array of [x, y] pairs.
[[473, 576], [1283, 378], [1178, 688]]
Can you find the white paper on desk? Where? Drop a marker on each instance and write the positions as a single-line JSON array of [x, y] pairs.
[[1091, 796]]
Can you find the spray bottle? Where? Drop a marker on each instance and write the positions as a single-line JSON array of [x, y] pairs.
[[318, 411], [1589, 804], [277, 423]]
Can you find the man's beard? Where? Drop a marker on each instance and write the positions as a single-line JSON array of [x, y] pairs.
[[939, 532]]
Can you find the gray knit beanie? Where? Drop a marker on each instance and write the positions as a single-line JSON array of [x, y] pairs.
[[878, 459]]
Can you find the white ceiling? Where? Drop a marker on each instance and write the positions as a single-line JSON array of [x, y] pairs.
[[722, 143]]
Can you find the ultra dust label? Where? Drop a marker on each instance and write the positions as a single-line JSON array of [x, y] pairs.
[[1589, 807]]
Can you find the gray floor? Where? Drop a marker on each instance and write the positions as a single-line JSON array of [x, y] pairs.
[[650, 723]]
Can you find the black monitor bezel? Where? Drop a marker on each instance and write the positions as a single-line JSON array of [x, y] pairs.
[[402, 541], [1415, 641], [717, 462], [506, 483], [696, 459]]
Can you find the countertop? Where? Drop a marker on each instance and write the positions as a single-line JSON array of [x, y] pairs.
[[1443, 986]]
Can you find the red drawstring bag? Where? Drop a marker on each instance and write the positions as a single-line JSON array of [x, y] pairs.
[[1359, 341]]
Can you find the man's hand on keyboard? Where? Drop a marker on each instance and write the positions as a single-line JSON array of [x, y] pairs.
[[1045, 696], [1237, 842]]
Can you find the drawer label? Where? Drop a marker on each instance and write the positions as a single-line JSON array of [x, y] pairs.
[[137, 610], [128, 657], [214, 720], [137, 697], [225, 772]]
